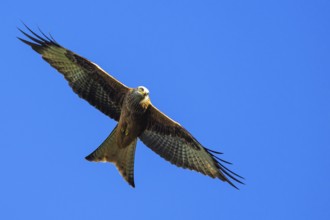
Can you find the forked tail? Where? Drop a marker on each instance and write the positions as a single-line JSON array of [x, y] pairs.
[[123, 158]]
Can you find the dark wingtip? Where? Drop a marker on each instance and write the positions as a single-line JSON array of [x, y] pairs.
[[132, 184], [225, 174], [37, 40], [213, 151], [232, 184], [90, 157], [35, 47]]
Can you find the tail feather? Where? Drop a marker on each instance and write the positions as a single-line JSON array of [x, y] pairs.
[[123, 158]]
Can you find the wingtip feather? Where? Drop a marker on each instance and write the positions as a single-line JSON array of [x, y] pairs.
[[36, 39]]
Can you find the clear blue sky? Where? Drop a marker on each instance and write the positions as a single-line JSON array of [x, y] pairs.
[[247, 78]]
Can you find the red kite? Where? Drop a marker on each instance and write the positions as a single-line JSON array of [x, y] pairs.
[[136, 116]]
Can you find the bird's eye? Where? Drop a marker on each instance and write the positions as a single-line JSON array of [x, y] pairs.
[[141, 89]]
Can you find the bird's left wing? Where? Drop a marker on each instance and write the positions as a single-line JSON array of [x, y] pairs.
[[175, 144], [86, 78]]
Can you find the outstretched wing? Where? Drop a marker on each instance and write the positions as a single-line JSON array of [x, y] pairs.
[[86, 78], [175, 144]]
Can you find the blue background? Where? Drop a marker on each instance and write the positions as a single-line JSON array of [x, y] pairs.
[[247, 78]]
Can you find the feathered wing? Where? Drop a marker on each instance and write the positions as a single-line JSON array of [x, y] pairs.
[[175, 144], [87, 79]]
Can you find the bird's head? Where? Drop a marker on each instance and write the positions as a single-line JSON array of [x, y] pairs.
[[141, 95], [143, 91]]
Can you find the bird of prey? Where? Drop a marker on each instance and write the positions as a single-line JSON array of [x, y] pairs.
[[137, 117]]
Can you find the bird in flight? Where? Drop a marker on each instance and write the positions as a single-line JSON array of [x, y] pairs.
[[137, 117]]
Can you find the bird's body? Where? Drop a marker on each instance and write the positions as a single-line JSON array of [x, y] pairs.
[[119, 147], [137, 117], [132, 119]]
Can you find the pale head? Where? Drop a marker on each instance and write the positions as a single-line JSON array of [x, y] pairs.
[[139, 98], [143, 90], [140, 94]]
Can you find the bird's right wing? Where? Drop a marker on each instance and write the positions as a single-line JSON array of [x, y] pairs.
[[175, 144], [86, 78]]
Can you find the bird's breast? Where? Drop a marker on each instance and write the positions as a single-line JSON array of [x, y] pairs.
[[131, 124]]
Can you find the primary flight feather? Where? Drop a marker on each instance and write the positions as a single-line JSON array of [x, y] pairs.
[[136, 116]]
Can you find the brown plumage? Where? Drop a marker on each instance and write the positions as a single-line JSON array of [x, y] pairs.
[[136, 116]]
